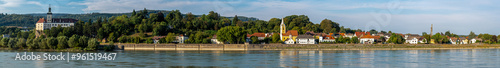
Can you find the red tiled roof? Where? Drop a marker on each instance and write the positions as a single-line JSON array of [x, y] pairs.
[[359, 34], [376, 37], [158, 37], [328, 36], [257, 34], [367, 36], [292, 32], [41, 20]]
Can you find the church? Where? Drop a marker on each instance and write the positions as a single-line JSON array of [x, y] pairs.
[[288, 37], [49, 22]]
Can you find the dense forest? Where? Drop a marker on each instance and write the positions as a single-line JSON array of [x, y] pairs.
[[29, 20]]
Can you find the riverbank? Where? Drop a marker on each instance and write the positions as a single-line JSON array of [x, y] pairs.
[[302, 46]]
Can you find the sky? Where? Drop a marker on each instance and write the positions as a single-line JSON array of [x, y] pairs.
[[400, 16]]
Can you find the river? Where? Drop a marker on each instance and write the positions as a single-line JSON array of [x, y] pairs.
[[272, 58]]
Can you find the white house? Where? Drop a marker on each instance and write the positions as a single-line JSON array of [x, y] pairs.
[[305, 39], [412, 40], [289, 41], [326, 39], [181, 38], [5, 36], [215, 41], [454, 40], [474, 40], [366, 39]]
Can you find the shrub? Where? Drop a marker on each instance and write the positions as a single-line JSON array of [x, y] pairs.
[[92, 44], [12, 43], [74, 41], [51, 42], [83, 41], [21, 43], [4, 42], [62, 42]]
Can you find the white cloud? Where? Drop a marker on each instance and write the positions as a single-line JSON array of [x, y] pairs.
[[14, 3]]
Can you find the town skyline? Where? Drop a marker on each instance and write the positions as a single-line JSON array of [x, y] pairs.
[[415, 17]]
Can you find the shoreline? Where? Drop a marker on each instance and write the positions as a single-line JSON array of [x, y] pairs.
[[240, 47]]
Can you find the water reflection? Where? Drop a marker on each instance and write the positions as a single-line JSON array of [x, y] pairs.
[[277, 58]]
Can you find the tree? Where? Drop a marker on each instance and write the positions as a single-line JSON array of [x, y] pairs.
[[383, 39], [123, 39], [12, 43], [328, 26], [170, 38], [21, 43], [62, 42], [92, 44], [51, 42], [231, 34], [373, 31], [255, 39], [82, 41], [276, 38], [354, 40], [235, 19], [472, 35], [29, 43], [4, 42], [74, 41], [396, 39]]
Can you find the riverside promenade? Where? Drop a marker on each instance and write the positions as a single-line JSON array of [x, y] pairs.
[[128, 46]]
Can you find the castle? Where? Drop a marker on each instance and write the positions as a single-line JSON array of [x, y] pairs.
[[50, 22]]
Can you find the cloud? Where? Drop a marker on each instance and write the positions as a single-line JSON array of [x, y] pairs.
[[4, 4]]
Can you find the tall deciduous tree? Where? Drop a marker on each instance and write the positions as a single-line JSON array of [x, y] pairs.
[[231, 34]]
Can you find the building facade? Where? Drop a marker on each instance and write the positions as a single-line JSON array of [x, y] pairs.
[[49, 22]]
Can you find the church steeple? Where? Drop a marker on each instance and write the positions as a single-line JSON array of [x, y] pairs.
[[282, 28], [49, 15]]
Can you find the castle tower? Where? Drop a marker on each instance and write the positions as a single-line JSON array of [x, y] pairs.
[[282, 29], [49, 15]]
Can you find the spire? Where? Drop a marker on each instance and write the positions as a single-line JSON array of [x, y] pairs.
[[50, 9]]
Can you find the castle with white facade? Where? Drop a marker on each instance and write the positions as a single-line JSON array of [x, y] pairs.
[[49, 22]]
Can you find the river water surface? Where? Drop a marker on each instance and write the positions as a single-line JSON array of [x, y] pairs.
[[272, 58]]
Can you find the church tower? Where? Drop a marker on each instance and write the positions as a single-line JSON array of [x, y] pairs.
[[49, 15], [282, 28]]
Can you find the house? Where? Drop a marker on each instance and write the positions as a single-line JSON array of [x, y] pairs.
[[305, 39], [156, 39], [5, 36], [289, 41], [326, 38], [422, 40], [215, 41], [292, 34], [464, 40], [377, 39], [454, 40], [366, 39], [412, 39], [349, 35], [260, 36], [361, 34], [181, 38], [474, 40]]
